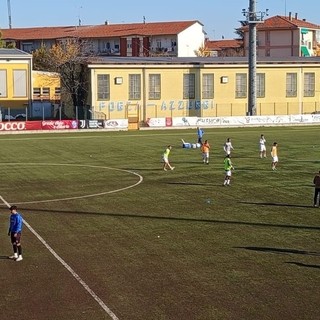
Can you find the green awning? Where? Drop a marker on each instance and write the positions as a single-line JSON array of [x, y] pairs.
[[305, 51], [304, 30]]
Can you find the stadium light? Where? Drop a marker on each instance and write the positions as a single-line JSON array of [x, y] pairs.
[[253, 18]]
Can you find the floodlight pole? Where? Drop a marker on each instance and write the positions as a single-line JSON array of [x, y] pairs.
[[253, 18]]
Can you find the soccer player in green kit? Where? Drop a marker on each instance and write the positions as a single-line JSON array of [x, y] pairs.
[[228, 167], [165, 159]]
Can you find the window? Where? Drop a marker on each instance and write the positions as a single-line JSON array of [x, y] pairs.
[[154, 86], [36, 92], [261, 85], [189, 81], [241, 85], [19, 83], [46, 92], [207, 86], [27, 46], [291, 85], [309, 84], [103, 86], [134, 86], [57, 90], [3, 83], [116, 47]]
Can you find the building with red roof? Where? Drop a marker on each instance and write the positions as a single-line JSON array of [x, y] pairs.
[[177, 38], [285, 36], [225, 48]]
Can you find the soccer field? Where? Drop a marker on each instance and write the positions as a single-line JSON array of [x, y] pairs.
[[110, 235]]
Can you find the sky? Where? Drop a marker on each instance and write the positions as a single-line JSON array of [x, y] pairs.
[[219, 17]]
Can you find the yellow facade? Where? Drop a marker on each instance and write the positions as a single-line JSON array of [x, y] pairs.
[[274, 98], [46, 86], [15, 79]]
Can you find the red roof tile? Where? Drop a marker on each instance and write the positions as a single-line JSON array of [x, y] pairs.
[[282, 22], [223, 44], [98, 31]]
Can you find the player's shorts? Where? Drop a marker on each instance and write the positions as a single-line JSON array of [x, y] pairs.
[[16, 239], [228, 152], [205, 154], [165, 159], [274, 159], [262, 148], [228, 173]]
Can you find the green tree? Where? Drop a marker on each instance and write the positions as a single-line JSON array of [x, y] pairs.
[[239, 31]]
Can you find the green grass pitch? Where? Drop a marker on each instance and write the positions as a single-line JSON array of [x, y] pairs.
[[162, 245]]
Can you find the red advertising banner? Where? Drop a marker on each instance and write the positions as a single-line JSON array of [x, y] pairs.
[[38, 125], [13, 126], [20, 125], [59, 124], [33, 125]]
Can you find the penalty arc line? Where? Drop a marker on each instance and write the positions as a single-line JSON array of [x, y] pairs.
[[83, 196], [74, 274]]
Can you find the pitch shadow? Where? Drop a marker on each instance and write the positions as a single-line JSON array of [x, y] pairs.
[[300, 264], [281, 250], [273, 204], [170, 218]]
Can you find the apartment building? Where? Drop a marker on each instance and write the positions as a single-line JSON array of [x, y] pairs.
[[285, 36], [177, 38]]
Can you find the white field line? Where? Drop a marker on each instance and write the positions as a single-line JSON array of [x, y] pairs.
[[74, 274], [78, 165]]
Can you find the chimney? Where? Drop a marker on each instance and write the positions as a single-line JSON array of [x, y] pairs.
[[106, 22], [290, 16], [296, 16]]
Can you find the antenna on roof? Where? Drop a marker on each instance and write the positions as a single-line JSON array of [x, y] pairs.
[[285, 8], [9, 13], [144, 19], [79, 17]]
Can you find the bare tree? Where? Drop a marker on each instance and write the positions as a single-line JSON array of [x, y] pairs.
[[3, 43], [203, 51], [68, 58]]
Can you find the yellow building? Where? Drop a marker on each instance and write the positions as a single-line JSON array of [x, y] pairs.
[[46, 86], [142, 88], [46, 97], [15, 82]]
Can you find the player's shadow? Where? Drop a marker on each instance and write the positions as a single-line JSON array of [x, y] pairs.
[[304, 265], [3, 257], [190, 183], [171, 218], [140, 169], [274, 204], [281, 250]]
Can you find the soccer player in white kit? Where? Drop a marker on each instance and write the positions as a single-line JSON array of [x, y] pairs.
[[227, 147], [263, 150]]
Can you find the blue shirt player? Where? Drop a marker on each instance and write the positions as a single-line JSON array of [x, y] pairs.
[[200, 133], [14, 232]]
